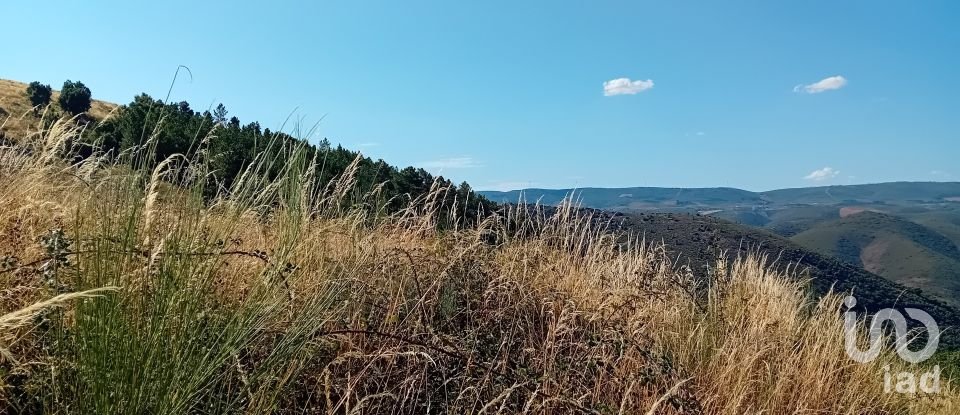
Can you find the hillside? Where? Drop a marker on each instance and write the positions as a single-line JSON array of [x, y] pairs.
[[785, 220], [915, 243], [945, 222], [697, 241], [130, 290], [16, 114], [177, 130], [898, 249]]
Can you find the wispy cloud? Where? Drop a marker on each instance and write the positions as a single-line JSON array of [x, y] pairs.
[[820, 175], [941, 174], [825, 84], [624, 86], [508, 185], [368, 145], [450, 163]]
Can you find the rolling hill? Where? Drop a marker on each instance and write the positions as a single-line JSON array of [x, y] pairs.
[[16, 114], [900, 250], [898, 193], [634, 198], [946, 222], [644, 198], [907, 232], [697, 241], [177, 130]]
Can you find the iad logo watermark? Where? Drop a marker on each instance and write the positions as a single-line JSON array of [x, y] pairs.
[[903, 382]]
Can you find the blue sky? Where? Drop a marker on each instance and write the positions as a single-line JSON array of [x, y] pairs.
[[508, 94]]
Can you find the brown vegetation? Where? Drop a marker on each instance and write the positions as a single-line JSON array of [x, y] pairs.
[[278, 297]]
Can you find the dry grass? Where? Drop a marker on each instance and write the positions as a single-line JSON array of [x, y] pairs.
[[273, 299], [17, 118]]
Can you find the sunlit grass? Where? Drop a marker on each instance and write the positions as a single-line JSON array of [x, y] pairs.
[[137, 288]]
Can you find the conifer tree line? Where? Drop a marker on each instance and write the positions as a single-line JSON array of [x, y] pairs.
[[179, 129]]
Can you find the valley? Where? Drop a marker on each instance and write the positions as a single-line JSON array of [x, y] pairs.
[[906, 232]]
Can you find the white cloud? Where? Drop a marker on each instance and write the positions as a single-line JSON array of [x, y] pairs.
[[507, 186], [825, 173], [450, 163], [701, 133], [624, 86], [368, 145], [825, 84]]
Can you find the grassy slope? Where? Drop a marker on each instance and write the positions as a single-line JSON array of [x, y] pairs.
[[274, 300], [945, 222], [16, 114], [898, 249]]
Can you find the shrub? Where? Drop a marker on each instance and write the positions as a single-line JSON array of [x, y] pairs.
[[39, 94], [74, 97]]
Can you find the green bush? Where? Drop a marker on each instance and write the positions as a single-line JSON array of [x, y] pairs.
[[39, 94], [74, 97]]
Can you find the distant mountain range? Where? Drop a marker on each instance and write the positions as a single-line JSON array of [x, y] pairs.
[[683, 199], [906, 232]]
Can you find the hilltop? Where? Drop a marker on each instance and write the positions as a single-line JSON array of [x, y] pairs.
[[177, 130], [16, 114]]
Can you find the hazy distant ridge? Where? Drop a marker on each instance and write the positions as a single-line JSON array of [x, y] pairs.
[[644, 197]]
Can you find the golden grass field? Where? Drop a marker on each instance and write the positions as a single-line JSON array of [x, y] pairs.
[[127, 288]]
